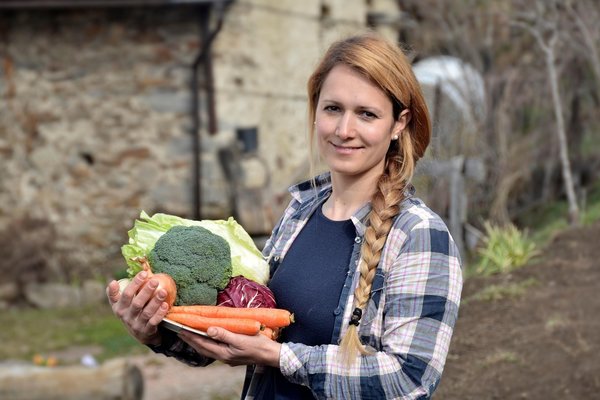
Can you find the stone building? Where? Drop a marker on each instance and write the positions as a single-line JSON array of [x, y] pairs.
[[194, 108]]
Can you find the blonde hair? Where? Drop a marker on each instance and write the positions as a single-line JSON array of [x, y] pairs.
[[384, 64]]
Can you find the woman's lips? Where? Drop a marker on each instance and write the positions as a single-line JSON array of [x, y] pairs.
[[345, 149]]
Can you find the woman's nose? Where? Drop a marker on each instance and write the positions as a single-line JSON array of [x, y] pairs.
[[345, 126]]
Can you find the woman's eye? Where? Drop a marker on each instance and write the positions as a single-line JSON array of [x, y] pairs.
[[368, 115], [331, 108]]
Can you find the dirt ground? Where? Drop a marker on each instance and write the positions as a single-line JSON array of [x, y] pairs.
[[544, 344], [541, 344]]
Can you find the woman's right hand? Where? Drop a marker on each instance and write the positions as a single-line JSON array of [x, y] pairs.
[[140, 310]]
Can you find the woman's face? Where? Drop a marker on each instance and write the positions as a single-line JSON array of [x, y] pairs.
[[354, 124]]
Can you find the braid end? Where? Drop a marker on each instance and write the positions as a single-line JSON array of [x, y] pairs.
[[351, 346]]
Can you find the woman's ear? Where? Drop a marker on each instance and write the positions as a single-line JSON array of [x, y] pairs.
[[401, 123]]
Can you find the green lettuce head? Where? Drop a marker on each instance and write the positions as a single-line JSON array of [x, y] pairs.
[[246, 258]]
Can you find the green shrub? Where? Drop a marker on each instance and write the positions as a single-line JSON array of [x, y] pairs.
[[504, 249]]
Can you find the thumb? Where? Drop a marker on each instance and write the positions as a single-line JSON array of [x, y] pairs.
[[219, 334]]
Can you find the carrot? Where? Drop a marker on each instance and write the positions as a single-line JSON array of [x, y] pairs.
[[236, 325], [272, 317]]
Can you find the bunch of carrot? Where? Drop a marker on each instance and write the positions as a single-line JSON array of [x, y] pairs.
[[248, 321]]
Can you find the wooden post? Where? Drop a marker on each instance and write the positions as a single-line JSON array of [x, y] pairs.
[[458, 170], [458, 202], [114, 380]]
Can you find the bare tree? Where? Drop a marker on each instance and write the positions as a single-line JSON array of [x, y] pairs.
[[515, 139], [588, 28], [513, 153], [547, 32]]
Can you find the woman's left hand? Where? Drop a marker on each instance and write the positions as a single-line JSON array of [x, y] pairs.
[[233, 348]]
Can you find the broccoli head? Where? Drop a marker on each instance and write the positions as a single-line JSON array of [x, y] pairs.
[[198, 261]]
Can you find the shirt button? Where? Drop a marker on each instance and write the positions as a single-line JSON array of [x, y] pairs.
[[337, 311], [357, 239], [276, 258]]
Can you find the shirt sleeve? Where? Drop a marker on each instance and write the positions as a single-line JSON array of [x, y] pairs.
[[422, 295], [172, 346]]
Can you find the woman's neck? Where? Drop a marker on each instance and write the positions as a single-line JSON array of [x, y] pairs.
[[348, 195]]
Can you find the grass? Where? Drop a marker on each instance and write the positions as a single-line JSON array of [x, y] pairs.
[[544, 222], [502, 291], [540, 224], [556, 322], [504, 249], [501, 356], [591, 211], [27, 332], [500, 245]]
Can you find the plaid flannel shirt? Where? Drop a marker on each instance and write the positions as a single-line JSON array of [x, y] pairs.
[[408, 322]]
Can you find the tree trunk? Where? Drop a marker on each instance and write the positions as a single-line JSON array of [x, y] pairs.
[[562, 137], [114, 380], [576, 129]]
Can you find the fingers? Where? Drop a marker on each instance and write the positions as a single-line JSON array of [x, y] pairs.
[[140, 307], [143, 296], [134, 286], [112, 292], [131, 302], [159, 315], [146, 325], [221, 344], [205, 346], [155, 310]]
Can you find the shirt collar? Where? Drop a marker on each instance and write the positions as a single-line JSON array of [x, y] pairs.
[[319, 188], [305, 191]]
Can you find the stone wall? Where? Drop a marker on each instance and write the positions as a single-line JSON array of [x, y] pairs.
[[95, 113]]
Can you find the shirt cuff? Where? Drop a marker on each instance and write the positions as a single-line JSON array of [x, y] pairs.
[[289, 363], [168, 339]]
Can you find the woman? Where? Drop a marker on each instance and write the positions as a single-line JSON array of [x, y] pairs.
[[371, 273]]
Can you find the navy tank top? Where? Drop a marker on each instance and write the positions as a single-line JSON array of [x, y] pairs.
[[308, 282]]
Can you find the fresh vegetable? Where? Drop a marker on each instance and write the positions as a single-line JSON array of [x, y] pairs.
[[242, 292], [164, 281], [246, 259], [271, 317], [198, 260], [236, 325], [123, 283]]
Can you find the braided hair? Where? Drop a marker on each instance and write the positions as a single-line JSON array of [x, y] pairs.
[[384, 64]]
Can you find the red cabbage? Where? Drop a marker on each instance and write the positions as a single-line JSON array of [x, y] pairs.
[[244, 293]]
